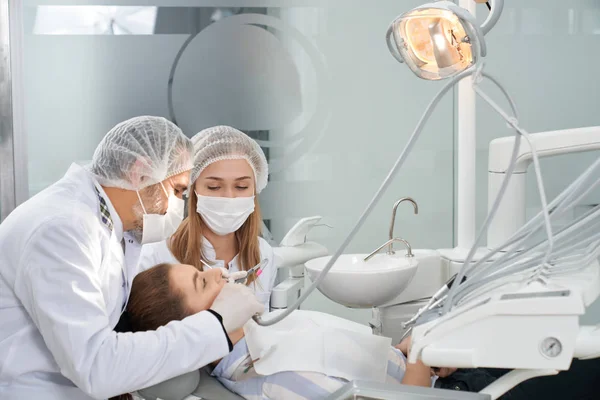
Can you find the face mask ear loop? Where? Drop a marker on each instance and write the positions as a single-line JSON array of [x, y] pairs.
[[173, 186], [164, 190], [141, 202], [166, 193]]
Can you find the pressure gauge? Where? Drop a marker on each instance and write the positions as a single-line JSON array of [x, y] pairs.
[[551, 347]]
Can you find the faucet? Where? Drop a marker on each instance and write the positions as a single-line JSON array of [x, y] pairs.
[[391, 241], [408, 248]]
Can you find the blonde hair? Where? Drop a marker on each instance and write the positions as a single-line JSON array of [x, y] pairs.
[[186, 242]]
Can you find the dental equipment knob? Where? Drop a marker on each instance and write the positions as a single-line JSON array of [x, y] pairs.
[[408, 248], [415, 206]]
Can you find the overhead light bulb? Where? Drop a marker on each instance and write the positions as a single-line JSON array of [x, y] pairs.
[[436, 40]]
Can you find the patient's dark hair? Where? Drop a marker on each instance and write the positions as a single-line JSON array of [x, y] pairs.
[[152, 304]]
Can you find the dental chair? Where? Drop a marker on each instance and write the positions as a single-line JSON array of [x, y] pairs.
[[290, 255], [193, 385]]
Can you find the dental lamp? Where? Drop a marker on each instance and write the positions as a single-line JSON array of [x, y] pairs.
[[436, 40], [439, 40]]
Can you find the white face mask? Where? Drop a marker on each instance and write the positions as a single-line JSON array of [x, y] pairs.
[[158, 227], [224, 215]]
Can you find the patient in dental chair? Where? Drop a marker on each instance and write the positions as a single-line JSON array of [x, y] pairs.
[[146, 311], [236, 370]]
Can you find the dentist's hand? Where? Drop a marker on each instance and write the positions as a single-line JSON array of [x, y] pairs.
[[232, 276], [236, 304]]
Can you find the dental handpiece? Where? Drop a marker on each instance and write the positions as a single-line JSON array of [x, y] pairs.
[[206, 264], [257, 269], [442, 292], [436, 297]]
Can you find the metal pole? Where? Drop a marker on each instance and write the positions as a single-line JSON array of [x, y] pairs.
[[8, 200], [466, 149]]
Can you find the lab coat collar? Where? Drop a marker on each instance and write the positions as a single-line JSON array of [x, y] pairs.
[[80, 173], [209, 252]]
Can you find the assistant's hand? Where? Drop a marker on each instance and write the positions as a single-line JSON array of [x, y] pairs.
[[232, 276]]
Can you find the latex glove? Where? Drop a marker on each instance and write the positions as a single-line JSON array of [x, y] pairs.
[[232, 276], [236, 304]]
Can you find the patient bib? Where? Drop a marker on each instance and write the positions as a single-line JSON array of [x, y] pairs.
[[311, 341]]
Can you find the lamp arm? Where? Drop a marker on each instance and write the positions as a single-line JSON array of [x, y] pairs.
[[493, 16]]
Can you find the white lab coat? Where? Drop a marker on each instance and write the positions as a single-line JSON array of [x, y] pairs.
[[156, 253], [63, 286], [133, 249]]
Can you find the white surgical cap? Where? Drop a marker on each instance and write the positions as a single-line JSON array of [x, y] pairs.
[[227, 143], [140, 152]]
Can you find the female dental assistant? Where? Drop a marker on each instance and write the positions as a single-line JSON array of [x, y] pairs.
[[224, 221]]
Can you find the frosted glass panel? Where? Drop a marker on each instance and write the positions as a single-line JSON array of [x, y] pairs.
[[315, 85], [546, 54]]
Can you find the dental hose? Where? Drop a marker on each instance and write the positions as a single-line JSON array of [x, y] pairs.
[[513, 122], [454, 286]]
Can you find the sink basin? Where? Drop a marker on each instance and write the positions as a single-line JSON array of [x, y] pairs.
[[355, 283]]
